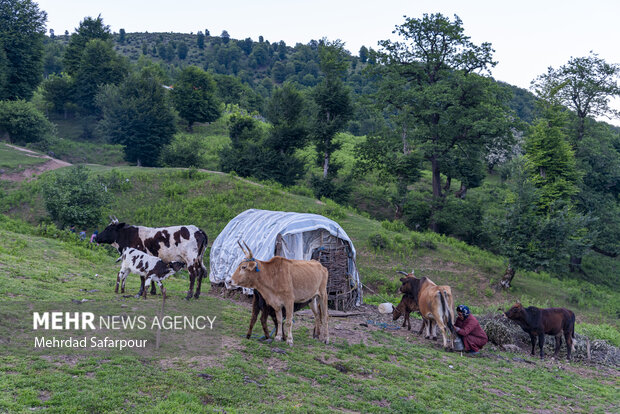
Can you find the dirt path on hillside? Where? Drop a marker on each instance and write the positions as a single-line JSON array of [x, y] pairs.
[[30, 172]]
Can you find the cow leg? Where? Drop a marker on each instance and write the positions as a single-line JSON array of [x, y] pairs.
[[163, 291], [541, 344], [263, 321], [192, 278], [314, 305], [569, 343], [146, 285], [201, 273], [422, 326], [290, 307], [407, 321], [442, 329], [278, 336], [118, 280], [254, 316], [124, 275], [427, 329], [141, 286], [153, 291], [558, 344], [533, 340]]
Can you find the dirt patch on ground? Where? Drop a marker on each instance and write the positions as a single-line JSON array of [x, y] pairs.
[[63, 360], [30, 172]]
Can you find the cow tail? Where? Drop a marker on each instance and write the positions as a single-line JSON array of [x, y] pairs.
[[572, 317], [446, 311], [202, 247]]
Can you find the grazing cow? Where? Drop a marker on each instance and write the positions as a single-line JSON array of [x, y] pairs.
[[151, 268], [185, 244], [435, 305], [550, 321], [282, 283], [260, 306]]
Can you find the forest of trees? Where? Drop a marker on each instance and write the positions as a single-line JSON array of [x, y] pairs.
[[556, 171]]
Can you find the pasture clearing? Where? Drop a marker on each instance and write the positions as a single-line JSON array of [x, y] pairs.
[[364, 369]]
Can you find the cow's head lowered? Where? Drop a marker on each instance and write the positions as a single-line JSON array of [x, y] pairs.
[[247, 271]]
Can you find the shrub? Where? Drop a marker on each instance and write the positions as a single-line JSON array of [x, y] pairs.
[[75, 197], [23, 122]]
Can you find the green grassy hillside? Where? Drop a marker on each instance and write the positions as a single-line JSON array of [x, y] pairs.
[[364, 369]]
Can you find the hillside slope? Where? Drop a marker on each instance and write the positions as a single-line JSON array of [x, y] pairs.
[[370, 366]]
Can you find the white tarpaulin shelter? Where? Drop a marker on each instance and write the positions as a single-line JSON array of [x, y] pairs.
[[299, 236]]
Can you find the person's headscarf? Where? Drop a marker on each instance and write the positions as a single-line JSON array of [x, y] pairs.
[[464, 310]]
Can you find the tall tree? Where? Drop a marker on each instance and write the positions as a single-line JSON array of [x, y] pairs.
[[195, 96], [333, 101], [431, 77], [22, 30], [200, 40], [550, 160], [138, 115], [89, 29], [585, 85], [99, 65], [121, 36]]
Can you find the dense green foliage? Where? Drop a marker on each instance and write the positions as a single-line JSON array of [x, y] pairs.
[[23, 123], [442, 107], [22, 30], [194, 96], [138, 114], [75, 197]]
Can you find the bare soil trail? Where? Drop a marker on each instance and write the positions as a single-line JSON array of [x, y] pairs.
[[30, 172]]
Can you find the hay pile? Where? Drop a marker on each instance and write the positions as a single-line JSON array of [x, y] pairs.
[[507, 334]]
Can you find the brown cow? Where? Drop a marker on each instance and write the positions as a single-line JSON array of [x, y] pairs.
[[407, 305], [282, 283], [551, 321], [435, 304], [259, 306]]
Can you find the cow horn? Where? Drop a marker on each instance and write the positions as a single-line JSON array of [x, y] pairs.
[[403, 273], [251, 255], [244, 252]]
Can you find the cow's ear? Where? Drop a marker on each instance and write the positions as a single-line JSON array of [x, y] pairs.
[[403, 279], [120, 225]]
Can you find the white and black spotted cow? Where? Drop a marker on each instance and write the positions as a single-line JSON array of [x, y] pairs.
[[185, 244], [151, 268]]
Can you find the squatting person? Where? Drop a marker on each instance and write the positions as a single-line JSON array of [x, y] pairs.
[[470, 331]]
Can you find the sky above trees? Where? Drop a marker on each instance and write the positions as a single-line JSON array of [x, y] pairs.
[[528, 36]]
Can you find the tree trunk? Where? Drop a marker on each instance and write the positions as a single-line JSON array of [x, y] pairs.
[[405, 143], [575, 264], [448, 183], [507, 278], [325, 164], [461, 193], [437, 194], [436, 178]]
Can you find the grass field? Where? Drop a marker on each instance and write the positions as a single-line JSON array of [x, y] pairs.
[[365, 368], [11, 159], [386, 371]]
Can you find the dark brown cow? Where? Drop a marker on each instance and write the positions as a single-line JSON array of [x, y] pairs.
[[185, 244], [407, 305], [549, 321], [435, 305], [259, 306], [284, 282]]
